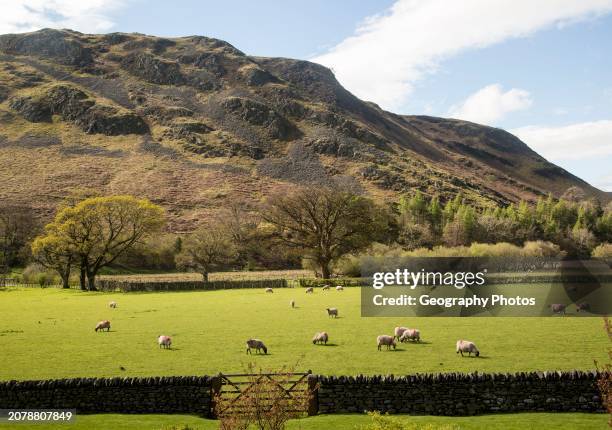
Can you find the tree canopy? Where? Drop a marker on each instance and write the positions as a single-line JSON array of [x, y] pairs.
[[97, 231]]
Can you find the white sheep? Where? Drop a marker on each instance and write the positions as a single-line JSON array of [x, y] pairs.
[[325, 288], [292, 303], [309, 290], [412, 334], [269, 290], [388, 341], [339, 288], [558, 308], [255, 344], [467, 346], [164, 341], [103, 325], [399, 331], [112, 305], [320, 338], [332, 312]]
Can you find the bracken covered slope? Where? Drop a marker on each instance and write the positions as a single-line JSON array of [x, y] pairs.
[[193, 123]]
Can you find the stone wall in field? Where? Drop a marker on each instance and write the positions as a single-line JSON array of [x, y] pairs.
[[440, 394], [461, 394], [172, 395], [134, 286]]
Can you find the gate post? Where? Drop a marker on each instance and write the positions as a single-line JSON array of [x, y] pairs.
[[215, 390], [313, 394]]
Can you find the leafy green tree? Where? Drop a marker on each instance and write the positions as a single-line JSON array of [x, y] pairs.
[[97, 231], [52, 252]]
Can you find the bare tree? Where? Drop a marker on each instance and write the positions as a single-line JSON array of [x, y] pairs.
[[17, 226], [325, 222], [208, 248]]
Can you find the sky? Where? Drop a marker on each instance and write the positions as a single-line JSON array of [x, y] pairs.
[[539, 69]]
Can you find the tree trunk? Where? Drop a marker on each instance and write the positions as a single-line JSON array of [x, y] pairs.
[[205, 276], [83, 279], [325, 272], [65, 275], [91, 281], [65, 280]]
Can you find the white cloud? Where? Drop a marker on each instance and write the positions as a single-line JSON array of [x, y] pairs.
[[88, 16], [570, 142], [389, 52], [491, 103]]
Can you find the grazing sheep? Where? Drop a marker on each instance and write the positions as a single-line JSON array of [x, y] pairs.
[[339, 288], [320, 338], [467, 346], [103, 325], [325, 288], [388, 341], [112, 305], [269, 290], [164, 341], [255, 344], [584, 306], [332, 312], [292, 303], [412, 334], [399, 331], [309, 290], [558, 308]]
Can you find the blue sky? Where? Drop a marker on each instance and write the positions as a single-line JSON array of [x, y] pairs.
[[538, 69]]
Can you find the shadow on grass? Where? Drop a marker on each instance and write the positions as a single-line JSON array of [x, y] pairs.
[[481, 357], [326, 344], [416, 343]]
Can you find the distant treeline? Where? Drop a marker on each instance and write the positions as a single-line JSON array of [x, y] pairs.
[[576, 226], [322, 228]]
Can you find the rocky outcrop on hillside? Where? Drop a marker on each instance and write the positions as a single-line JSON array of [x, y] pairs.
[[77, 107]]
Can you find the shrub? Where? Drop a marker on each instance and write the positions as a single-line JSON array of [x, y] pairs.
[[386, 422], [541, 248], [603, 251], [37, 274]]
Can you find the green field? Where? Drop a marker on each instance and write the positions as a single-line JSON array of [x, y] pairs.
[[48, 333], [535, 421]]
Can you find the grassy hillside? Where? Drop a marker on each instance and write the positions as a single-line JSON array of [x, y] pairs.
[[193, 123], [48, 333]]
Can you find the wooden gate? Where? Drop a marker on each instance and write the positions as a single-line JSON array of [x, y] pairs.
[[249, 393]]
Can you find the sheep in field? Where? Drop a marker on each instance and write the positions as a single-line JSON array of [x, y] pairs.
[[325, 288], [320, 338], [467, 346], [412, 334], [339, 288], [399, 331], [292, 303], [584, 306], [257, 345], [103, 325], [269, 290], [385, 340], [332, 312], [164, 341], [558, 308], [112, 305], [309, 290]]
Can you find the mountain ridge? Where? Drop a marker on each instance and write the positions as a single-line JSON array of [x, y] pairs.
[[193, 123]]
